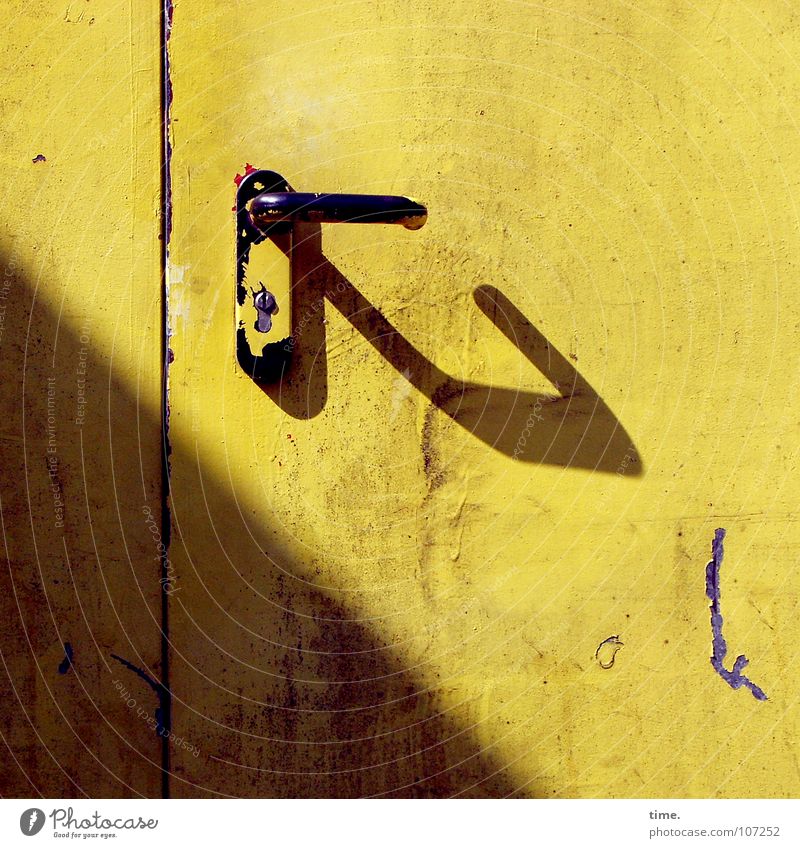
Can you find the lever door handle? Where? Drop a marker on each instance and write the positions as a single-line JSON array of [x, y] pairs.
[[272, 208], [266, 210]]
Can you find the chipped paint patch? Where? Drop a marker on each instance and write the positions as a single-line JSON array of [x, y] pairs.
[[178, 297], [177, 272], [735, 679]]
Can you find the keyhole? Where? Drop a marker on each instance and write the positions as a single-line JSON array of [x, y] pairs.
[[266, 306]]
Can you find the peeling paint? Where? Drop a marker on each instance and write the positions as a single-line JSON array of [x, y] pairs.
[[735, 679], [177, 272], [178, 297]]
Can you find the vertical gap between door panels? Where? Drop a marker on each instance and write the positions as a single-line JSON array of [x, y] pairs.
[[165, 233]]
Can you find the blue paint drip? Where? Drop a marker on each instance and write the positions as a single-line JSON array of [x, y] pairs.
[[160, 690], [66, 664], [735, 679]]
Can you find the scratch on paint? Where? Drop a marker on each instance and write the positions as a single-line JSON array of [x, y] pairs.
[[66, 664], [735, 679], [159, 688]]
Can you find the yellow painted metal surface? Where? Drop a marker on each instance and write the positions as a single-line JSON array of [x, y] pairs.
[[79, 395], [507, 437]]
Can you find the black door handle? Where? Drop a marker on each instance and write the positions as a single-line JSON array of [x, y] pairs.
[[267, 208], [270, 208]]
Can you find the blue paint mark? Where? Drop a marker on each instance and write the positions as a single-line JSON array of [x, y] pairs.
[[160, 690], [66, 664], [734, 678]]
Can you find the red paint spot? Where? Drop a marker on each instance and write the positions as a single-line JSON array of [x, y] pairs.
[[248, 169]]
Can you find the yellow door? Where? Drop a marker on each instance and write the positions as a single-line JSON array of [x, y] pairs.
[[80, 408], [461, 548]]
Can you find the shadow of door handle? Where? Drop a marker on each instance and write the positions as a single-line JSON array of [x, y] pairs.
[[267, 208]]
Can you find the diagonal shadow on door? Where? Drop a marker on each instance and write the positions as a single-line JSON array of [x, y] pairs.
[[574, 427], [322, 706]]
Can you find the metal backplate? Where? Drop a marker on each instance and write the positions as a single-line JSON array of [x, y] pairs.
[[263, 277]]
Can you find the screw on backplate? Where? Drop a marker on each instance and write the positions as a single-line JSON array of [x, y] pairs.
[[266, 306]]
